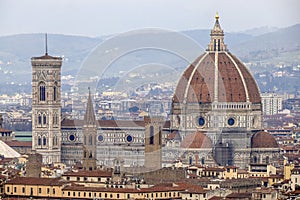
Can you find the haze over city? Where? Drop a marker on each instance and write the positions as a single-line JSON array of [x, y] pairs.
[[90, 18]]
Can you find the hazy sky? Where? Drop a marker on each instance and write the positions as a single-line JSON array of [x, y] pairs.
[[103, 17]]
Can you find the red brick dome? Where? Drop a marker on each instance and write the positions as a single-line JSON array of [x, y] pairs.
[[196, 140], [216, 76], [263, 139]]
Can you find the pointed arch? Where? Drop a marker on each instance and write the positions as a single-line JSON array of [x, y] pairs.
[[90, 140], [44, 119], [151, 141], [55, 91], [39, 119], [39, 141], [44, 141], [42, 91]]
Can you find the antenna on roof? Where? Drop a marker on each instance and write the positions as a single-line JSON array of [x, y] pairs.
[[46, 44]]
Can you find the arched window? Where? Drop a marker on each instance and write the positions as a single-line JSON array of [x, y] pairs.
[[254, 159], [42, 91], [54, 92], [39, 141], [151, 141], [190, 160], [202, 161], [267, 159], [54, 141], [214, 44], [159, 142], [39, 119], [44, 119], [90, 140], [44, 141], [55, 119], [84, 140]]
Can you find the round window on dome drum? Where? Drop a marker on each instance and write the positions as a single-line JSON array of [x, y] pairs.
[[201, 121], [231, 121], [71, 137], [100, 138], [129, 138]]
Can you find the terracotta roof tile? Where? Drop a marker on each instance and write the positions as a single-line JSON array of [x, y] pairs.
[[263, 139], [199, 79], [16, 143], [96, 173], [5, 130], [196, 140], [36, 181]]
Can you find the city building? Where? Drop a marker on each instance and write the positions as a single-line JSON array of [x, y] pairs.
[[271, 103]]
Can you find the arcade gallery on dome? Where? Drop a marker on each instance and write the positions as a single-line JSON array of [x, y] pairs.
[[216, 113]]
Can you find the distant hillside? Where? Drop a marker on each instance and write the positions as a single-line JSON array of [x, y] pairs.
[[267, 45], [272, 45], [16, 50], [260, 30]]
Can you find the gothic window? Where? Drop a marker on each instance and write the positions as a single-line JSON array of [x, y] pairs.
[[178, 119], [254, 159], [39, 119], [44, 141], [55, 92], [54, 141], [151, 135], [218, 44], [90, 140], [84, 140], [159, 142], [214, 44], [44, 119], [39, 141], [56, 119], [42, 91], [190, 160], [202, 161], [267, 159]]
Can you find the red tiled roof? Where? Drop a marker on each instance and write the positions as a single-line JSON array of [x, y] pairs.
[[16, 143], [195, 189], [196, 140], [36, 181], [174, 135], [217, 198], [263, 139], [239, 195], [4, 130], [84, 173], [2, 177], [199, 80], [214, 169], [165, 187], [99, 189], [46, 56]]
